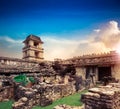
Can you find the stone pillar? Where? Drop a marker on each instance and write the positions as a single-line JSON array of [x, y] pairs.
[[30, 53], [112, 72], [24, 54], [31, 43], [7, 62], [40, 55], [84, 70], [96, 73], [40, 45], [27, 53]]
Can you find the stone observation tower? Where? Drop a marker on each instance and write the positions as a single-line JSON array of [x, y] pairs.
[[33, 48]]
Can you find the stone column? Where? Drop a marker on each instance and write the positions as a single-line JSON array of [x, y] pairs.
[[24, 54], [30, 53], [40, 54], [112, 72], [31, 43], [84, 71], [40, 45], [96, 73]]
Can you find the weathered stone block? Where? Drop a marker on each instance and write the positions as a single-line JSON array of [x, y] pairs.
[[104, 97]]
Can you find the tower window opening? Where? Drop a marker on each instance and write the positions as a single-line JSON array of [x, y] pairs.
[[35, 44], [36, 54]]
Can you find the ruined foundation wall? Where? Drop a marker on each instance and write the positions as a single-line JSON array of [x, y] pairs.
[[42, 95], [6, 89], [104, 97], [6, 93]]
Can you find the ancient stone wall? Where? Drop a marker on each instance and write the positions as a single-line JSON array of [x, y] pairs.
[[94, 59], [16, 66], [103, 97], [6, 89], [6, 93], [42, 94], [81, 71], [13, 65]]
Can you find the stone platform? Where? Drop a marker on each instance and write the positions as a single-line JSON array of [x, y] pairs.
[[103, 97]]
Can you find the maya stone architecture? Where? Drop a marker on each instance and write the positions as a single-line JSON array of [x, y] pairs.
[[98, 65], [33, 48], [58, 78]]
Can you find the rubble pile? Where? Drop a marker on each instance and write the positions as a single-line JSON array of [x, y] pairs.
[[41, 94], [46, 69], [21, 104], [103, 97]]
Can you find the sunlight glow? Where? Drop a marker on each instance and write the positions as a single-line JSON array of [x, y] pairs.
[[118, 49]]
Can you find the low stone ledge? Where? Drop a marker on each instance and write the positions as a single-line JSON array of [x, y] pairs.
[[103, 97]]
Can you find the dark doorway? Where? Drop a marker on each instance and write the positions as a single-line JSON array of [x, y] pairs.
[[87, 76], [103, 72]]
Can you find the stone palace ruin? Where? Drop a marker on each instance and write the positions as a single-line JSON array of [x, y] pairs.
[[58, 78]]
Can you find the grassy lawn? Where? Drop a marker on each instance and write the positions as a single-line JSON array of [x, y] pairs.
[[6, 105], [73, 100]]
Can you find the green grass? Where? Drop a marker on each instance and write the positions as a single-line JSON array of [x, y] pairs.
[[6, 105], [72, 100]]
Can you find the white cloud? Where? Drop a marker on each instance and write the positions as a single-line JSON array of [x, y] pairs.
[[10, 40], [10, 47], [96, 30], [60, 48], [109, 35], [103, 39]]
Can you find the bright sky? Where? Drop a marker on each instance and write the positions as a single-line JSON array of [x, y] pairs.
[[68, 28]]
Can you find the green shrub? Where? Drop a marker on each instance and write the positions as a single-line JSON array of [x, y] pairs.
[[23, 79]]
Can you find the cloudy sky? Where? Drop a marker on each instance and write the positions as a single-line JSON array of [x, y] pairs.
[[68, 28]]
